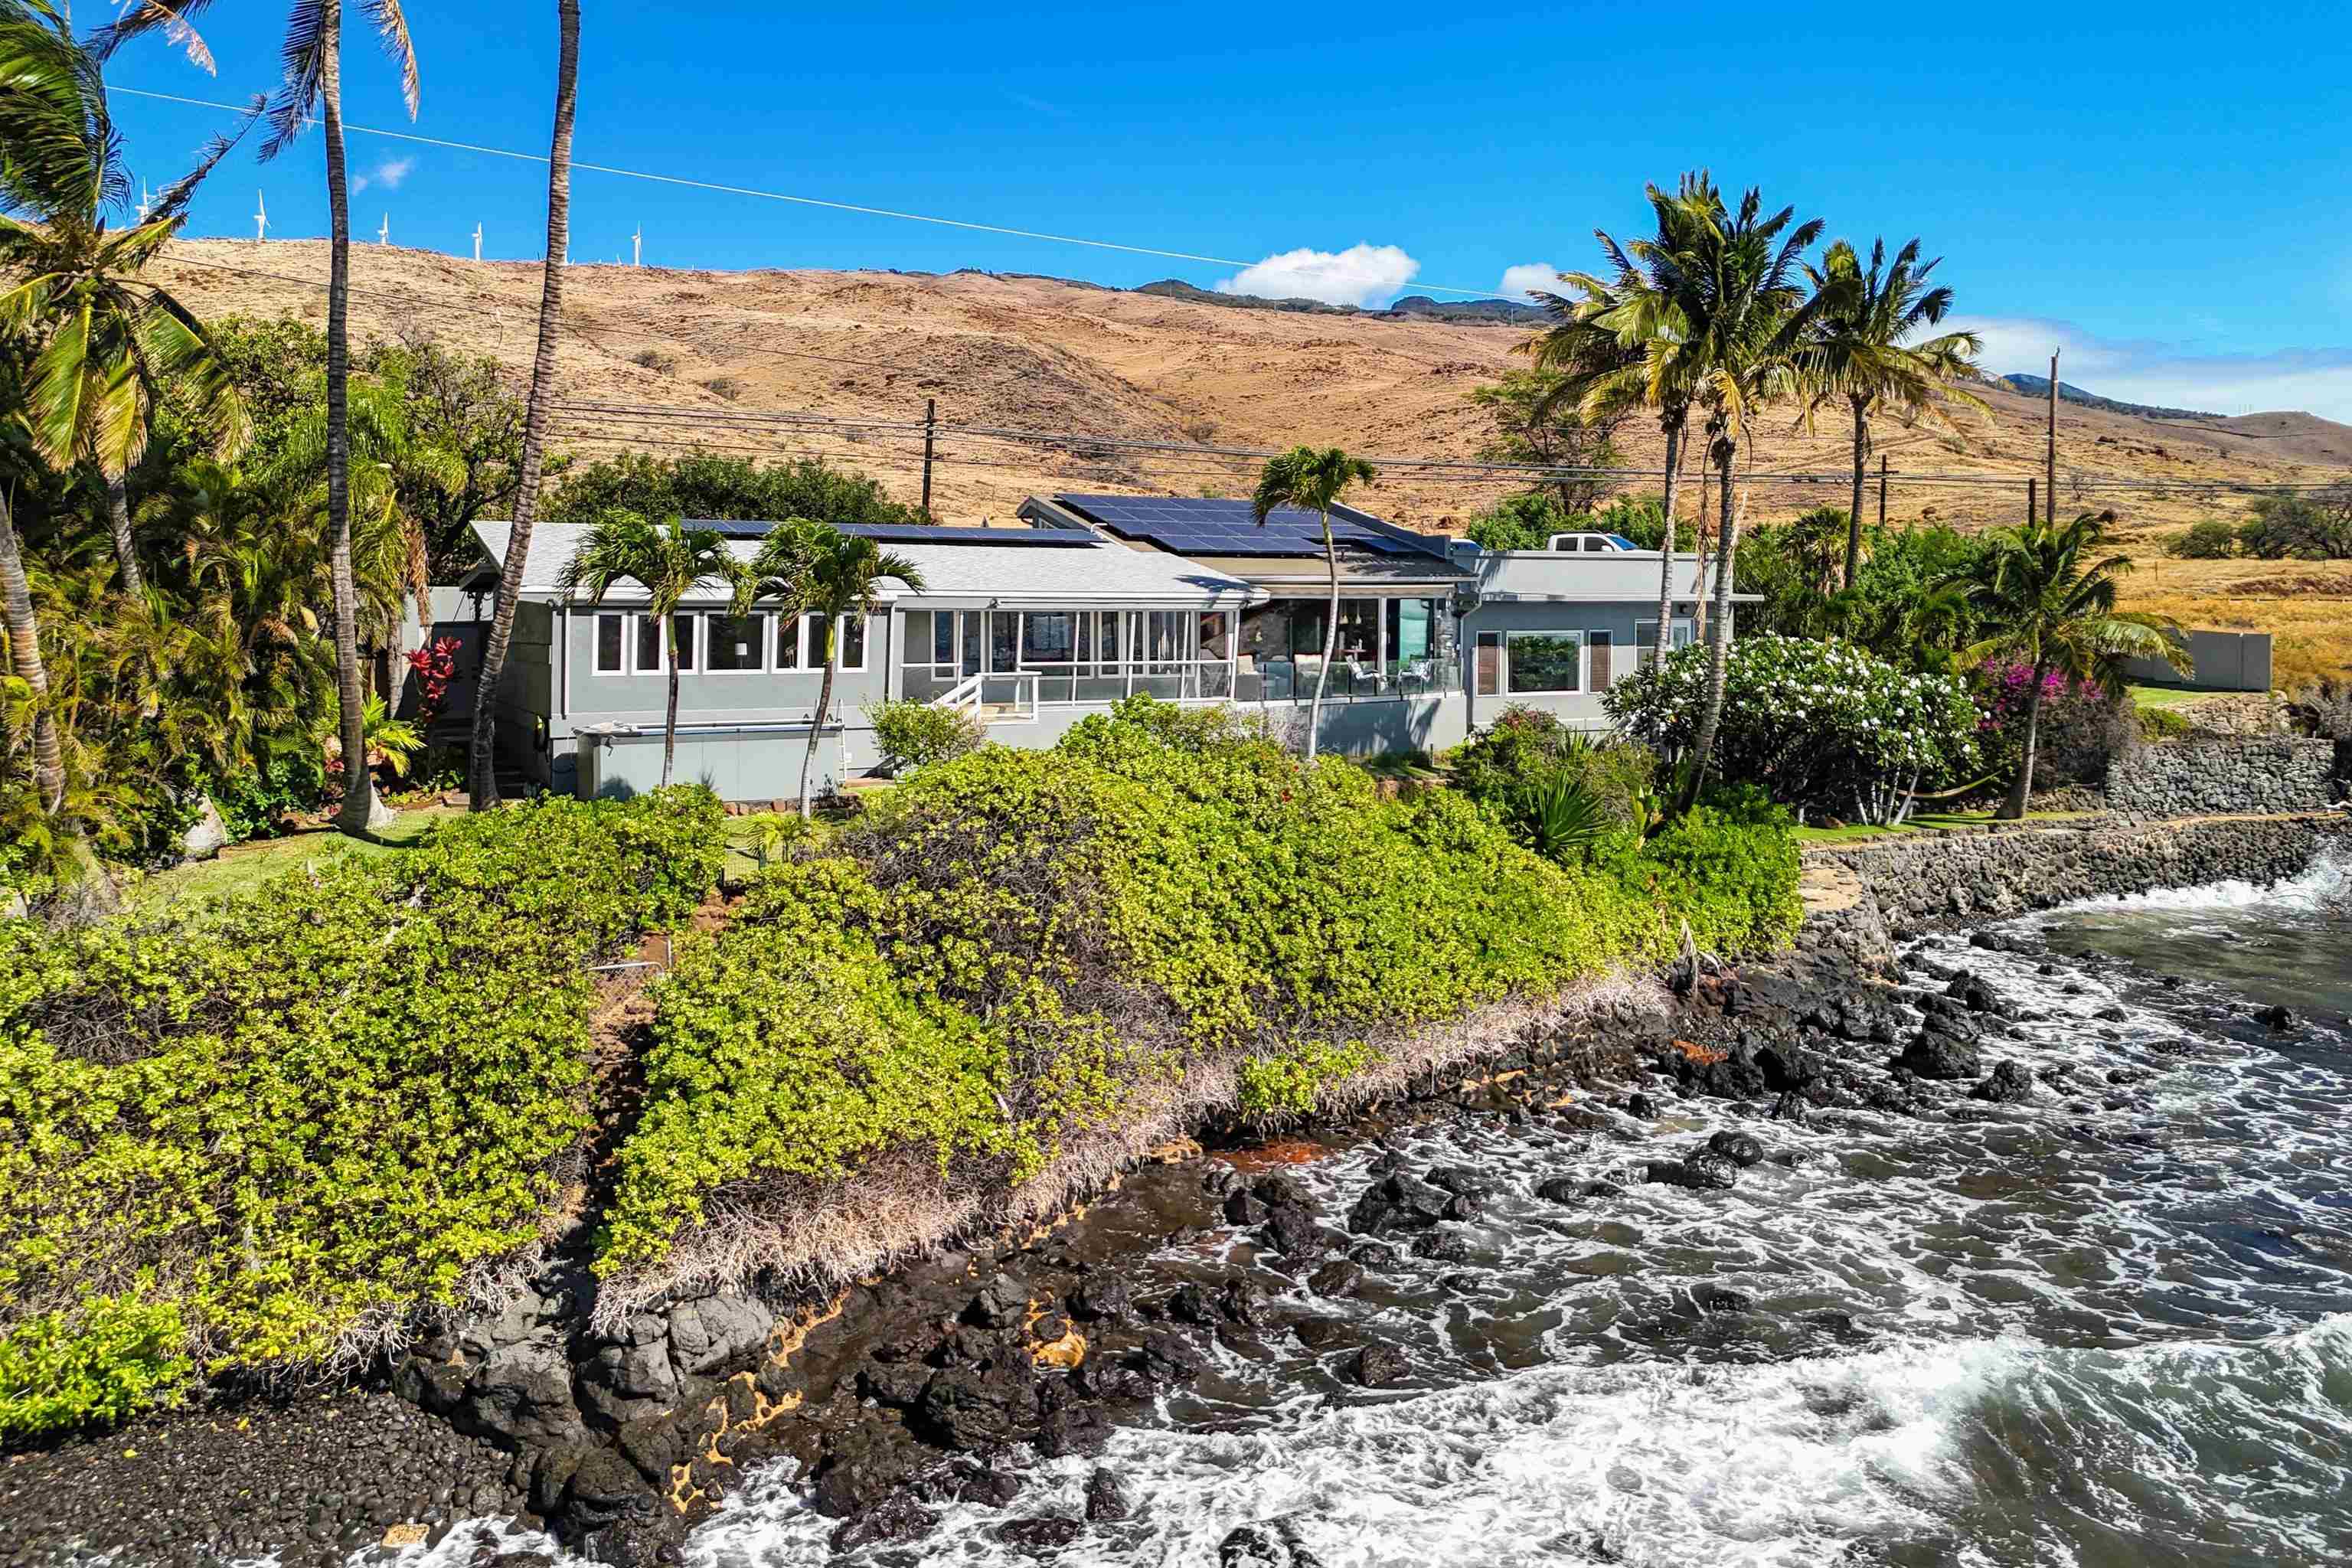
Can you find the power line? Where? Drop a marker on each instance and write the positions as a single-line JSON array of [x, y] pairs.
[[778, 195]]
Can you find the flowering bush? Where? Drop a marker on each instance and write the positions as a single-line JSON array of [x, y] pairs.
[[2084, 728], [435, 667], [1822, 726]]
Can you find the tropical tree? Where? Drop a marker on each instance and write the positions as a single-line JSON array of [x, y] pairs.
[[1867, 352], [314, 82], [816, 571], [2051, 606], [667, 563], [1623, 343], [1313, 481], [482, 786], [1745, 317], [110, 345]]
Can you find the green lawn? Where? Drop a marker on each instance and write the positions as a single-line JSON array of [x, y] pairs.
[[242, 867], [1924, 822], [2168, 696]]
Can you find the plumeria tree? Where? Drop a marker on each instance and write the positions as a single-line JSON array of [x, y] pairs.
[[1822, 727]]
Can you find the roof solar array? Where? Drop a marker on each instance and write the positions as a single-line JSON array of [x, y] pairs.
[[1216, 526], [909, 532]]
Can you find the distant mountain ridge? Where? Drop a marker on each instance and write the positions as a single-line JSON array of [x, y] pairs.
[[2039, 386], [1503, 312]]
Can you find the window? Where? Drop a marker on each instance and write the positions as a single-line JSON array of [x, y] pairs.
[[847, 648], [943, 637], [735, 643], [1412, 629], [789, 653], [1212, 643], [1595, 545], [1048, 638], [1360, 630], [686, 646], [853, 642], [1646, 640], [648, 639], [1490, 663], [1003, 640], [1546, 661], [609, 644], [1603, 649]]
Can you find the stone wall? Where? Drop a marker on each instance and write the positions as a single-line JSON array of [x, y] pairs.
[[2217, 778], [1946, 879]]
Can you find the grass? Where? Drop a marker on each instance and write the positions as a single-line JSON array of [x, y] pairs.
[[242, 867], [2168, 696], [1924, 822]]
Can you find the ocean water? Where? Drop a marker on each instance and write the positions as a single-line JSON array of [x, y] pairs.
[[2108, 1327]]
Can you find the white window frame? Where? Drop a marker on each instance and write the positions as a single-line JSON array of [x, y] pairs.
[[596, 644], [638, 620], [765, 643], [807, 664], [1583, 686]]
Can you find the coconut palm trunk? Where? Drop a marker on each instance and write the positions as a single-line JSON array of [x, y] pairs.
[[1853, 511], [1330, 637], [482, 764], [118, 522], [25, 659], [669, 715], [817, 725], [2021, 788], [1666, 546], [1726, 453], [360, 810]]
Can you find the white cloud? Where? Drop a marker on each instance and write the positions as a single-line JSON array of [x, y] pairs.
[[2316, 380], [388, 173], [1359, 275], [1529, 278]]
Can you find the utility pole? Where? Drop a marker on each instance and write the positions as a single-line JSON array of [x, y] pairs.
[[1882, 492], [2032, 504], [2050, 458], [930, 428]]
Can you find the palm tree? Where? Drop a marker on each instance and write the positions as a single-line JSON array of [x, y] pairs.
[[1864, 353], [666, 563], [1624, 344], [108, 343], [481, 774], [2053, 609], [816, 571], [1313, 481], [313, 57], [1747, 319]]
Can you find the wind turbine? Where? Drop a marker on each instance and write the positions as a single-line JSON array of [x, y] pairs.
[[478, 242], [260, 217], [637, 246], [146, 202], [383, 235]]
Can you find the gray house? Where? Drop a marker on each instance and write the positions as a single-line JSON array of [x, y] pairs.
[[1033, 629]]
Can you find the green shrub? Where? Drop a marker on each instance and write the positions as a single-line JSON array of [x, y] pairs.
[[2161, 724], [1291, 1082], [917, 734], [2211, 540], [295, 1118], [1525, 748], [1056, 938], [111, 1359], [1822, 726]]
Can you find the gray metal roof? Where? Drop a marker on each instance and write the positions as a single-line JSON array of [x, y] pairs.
[[1101, 570]]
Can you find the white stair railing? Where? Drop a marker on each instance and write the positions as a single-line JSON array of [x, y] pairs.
[[963, 694]]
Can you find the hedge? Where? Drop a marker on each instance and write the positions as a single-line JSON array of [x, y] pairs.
[[289, 1122], [1055, 934]]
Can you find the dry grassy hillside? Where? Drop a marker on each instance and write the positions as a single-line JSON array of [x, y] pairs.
[[1036, 354]]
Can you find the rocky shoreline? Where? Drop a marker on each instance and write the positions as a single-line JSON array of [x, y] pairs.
[[939, 1382]]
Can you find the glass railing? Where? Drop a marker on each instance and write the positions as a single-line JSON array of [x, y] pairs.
[[1278, 681], [1351, 680]]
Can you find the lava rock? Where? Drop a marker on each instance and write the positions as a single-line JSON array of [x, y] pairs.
[[1377, 1367], [968, 1408], [1443, 1246], [1106, 1498], [1373, 1255], [1942, 1055], [1246, 1208], [1463, 1207], [895, 1518], [1739, 1148], [1291, 1230], [1459, 1180], [1041, 1536], [2275, 1017], [1104, 1298], [1559, 1189], [1712, 1301], [1340, 1277], [1170, 1357], [1319, 1334], [1703, 1170], [1111, 1377], [864, 1465], [2007, 1084]]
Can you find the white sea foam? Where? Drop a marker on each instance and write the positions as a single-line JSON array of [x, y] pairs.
[[2326, 883]]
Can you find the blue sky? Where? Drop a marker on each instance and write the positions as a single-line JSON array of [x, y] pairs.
[[2160, 187]]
